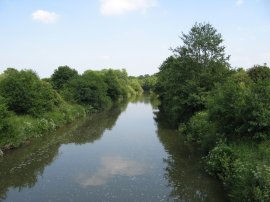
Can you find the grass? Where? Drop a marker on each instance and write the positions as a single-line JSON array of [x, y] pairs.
[[21, 128]]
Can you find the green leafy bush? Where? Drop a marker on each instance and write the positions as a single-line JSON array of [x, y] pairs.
[[200, 130], [88, 89], [243, 168], [220, 161], [240, 107], [25, 93], [62, 75], [4, 123]]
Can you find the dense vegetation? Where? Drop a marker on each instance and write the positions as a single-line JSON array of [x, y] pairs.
[[226, 112], [148, 82], [30, 106]]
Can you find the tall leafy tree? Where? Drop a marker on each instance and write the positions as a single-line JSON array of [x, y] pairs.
[[203, 44], [186, 78]]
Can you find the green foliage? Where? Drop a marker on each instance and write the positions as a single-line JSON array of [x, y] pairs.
[[4, 114], [23, 127], [243, 168], [240, 107], [186, 78], [115, 90], [227, 104], [148, 82], [200, 130], [135, 85], [30, 107], [214, 105], [259, 73], [62, 75], [88, 89], [25, 93], [219, 162], [203, 45]]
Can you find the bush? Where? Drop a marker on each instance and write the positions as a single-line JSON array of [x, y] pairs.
[[4, 114], [62, 75], [200, 130], [220, 161], [88, 89], [243, 168], [240, 107], [259, 73], [250, 182], [135, 85], [25, 93]]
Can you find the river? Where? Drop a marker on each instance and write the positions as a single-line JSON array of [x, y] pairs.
[[121, 154]]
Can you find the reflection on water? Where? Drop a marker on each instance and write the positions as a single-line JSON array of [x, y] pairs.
[[121, 154], [20, 168], [110, 167], [183, 169]]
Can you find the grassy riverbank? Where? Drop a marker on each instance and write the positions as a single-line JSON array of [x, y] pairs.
[[19, 129], [31, 107]]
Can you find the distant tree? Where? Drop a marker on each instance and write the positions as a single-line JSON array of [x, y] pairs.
[[135, 85], [259, 73], [61, 76], [115, 90], [148, 82], [88, 89]]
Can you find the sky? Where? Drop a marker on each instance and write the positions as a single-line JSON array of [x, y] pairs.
[[131, 34]]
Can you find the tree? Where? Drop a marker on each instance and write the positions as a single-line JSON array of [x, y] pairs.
[[186, 78], [88, 89], [115, 90], [61, 76], [259, 73], [240, 107], [25, 93], [203, 44]]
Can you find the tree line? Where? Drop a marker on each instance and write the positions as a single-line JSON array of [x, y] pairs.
[[30, 106], [225, 111]]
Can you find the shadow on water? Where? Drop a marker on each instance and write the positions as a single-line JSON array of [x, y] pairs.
[[21, 168], [183, 169]]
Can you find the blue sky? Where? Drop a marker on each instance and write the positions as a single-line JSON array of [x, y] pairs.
[[131, 34]]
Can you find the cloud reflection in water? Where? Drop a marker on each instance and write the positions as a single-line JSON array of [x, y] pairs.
[[111, 166]]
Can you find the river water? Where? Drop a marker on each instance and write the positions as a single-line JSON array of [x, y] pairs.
[[121, 154]]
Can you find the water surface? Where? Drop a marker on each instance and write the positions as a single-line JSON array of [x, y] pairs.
[[121, 154]]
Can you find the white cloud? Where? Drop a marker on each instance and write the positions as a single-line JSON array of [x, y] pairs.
[[110, 167], [45, 16], [119, 7], [239, 2]]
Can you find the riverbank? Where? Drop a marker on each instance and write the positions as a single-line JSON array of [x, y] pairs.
[[20, 129], [31, 107]]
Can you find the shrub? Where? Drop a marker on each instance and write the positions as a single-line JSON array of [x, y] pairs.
[[62, 75], [220, 161], [4, 114], [200, 130], [88, 89], [240, 107], [25, 93], [259, 73]]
